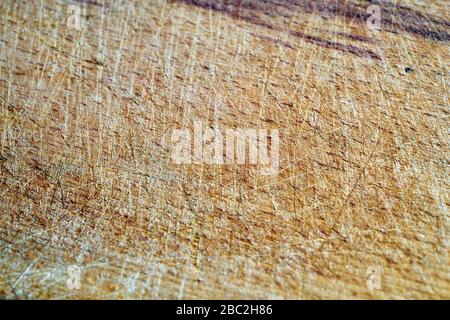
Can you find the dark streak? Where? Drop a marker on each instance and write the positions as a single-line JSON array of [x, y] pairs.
[[354, 37], [90, 2], [360, 52]]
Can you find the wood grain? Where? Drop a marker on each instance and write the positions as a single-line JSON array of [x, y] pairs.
[[87, 179]]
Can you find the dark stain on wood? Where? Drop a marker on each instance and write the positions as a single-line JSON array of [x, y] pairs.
[[395, 18]]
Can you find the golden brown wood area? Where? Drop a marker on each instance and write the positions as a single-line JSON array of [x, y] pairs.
[[92, 90]]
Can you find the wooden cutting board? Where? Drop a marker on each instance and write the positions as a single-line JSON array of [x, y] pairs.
[[94, 206]]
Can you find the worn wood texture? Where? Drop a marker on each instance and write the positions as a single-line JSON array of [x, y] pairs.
[[86, 176]]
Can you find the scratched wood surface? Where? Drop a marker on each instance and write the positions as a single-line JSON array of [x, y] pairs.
[[86, 175]]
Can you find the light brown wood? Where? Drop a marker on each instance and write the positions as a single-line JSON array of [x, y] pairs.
[[86, 118]]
